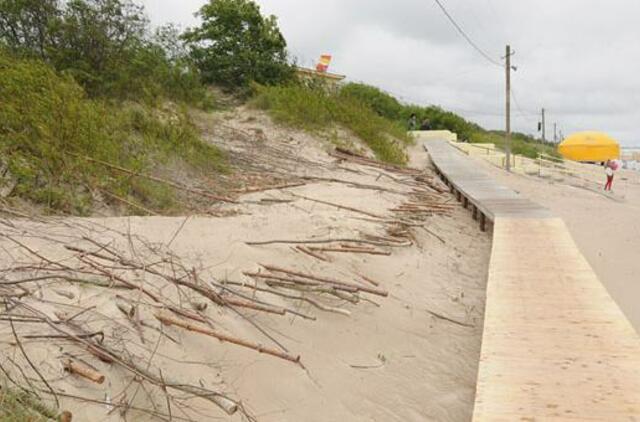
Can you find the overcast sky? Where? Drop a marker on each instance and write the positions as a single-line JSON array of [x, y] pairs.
[[577, 58]]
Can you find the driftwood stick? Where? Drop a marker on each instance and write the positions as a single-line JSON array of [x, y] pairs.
[[127, 202], [351, 250], [268, 188], [293, 297], [326, 280], [309, 252], [201, 289], [84, 371], [355, 184], [368, 280], [324, 241], [342, 207], [156, 179], [169, 319]]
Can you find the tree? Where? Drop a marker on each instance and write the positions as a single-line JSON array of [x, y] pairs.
[[29, 26], [236, 45], [104, 44]]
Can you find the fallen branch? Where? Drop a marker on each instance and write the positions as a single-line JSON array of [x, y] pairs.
[[294, 297], [168, 319], [127, 202], [155, 179], [342, 207], [84, 371], [311, 253], [321, 241], [326, 280], [351, 250]]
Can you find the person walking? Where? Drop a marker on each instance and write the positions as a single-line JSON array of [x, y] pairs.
[[413, 122], [608, 170]]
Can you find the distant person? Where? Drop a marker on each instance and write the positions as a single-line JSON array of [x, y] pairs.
[[426, 125], [413, 122], [608, 170]]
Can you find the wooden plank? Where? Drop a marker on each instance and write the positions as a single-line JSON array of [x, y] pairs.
[[490, 198], [555, 346]]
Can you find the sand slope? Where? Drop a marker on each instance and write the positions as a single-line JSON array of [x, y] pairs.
[[390, 360]]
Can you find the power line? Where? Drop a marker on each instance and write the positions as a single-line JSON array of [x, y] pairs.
[[465, 36], [521, 112]]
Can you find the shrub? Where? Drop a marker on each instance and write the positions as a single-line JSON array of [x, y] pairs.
[[382, 103], [104, 45], [318, 110], [48, 126]]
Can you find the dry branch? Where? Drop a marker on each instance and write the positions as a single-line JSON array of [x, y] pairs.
[[156, 179], [84, 371], [311, 253], [335, 283], [342, 207], [169, 319], [351, 250]]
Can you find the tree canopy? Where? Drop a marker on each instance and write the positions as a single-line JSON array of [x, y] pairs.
[[106, 45], [236, 45]]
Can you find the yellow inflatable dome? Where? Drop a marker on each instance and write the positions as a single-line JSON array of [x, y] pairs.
[[589, 146]]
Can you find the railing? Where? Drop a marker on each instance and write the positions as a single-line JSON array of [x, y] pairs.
[[583, 175]]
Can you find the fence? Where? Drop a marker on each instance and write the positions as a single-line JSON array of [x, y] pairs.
[[589, 176]]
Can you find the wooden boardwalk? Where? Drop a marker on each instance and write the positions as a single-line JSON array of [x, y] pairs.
[[555, 346]]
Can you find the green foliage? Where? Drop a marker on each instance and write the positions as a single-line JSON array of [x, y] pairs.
[[236, 45], [382, 103], [316, 109], [103, 44], [389, 107], [48, 125]]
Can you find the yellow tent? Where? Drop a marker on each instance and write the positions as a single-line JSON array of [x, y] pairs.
[[589, 146]]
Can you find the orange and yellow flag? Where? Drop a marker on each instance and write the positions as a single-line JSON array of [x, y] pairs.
[[323, 65]]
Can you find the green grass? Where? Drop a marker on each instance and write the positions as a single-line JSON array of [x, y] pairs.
[[20, 407], [520, 144], [389, 107], [48, 125], [320, 110]]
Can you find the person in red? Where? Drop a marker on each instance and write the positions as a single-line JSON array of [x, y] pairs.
[[609, 172]]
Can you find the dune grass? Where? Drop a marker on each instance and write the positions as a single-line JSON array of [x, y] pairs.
[[48, 125], [317, 109], [18, 406]]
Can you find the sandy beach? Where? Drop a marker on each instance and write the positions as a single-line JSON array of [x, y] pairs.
[[409, 356], [606, 229]]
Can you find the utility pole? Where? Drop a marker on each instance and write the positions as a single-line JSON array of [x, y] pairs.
[[544, 128], [555, 133], [507, 144]]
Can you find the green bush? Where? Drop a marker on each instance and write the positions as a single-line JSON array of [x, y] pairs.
[[48, 127], [105, 46], [389, 107], [382, 103], [319, 110], [235, 45]]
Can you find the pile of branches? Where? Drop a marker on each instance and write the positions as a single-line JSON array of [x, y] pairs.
[[152, 289]]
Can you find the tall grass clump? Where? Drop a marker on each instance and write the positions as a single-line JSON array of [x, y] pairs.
[[49, 127], [317, 109]]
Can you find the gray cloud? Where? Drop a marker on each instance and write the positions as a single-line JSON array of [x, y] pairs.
[[577, 58]]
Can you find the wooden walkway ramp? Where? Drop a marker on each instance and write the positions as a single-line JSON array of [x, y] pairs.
[[555, 346]]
